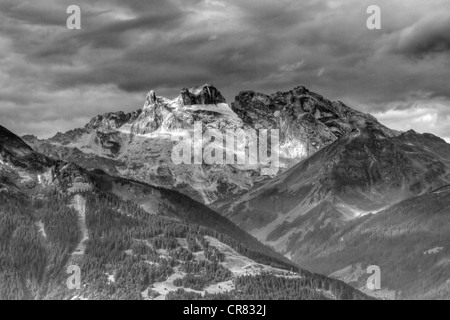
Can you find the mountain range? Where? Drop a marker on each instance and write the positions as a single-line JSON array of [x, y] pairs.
[[350, 192], [138, 145]]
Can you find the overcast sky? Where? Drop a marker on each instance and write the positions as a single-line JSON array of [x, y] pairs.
[[54, 79]]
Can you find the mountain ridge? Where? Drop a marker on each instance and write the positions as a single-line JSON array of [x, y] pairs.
[[113, 141], [306, 212], [363, 162]]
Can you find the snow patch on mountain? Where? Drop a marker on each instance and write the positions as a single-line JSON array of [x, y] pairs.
[[434, 251]]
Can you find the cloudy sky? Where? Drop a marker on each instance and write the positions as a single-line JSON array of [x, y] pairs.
[[54, 79]]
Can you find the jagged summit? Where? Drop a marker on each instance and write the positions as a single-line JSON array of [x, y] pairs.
[[206, 94], [192, 104], [199, 95], [151, 97]]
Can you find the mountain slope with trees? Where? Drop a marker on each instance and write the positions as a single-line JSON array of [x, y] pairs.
[[140, 242]]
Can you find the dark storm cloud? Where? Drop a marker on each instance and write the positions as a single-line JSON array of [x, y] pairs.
[[112, 35], [32, 13], [172, 63], [429, 35], [53, 79]]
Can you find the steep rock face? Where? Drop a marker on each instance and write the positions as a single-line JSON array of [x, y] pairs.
[[196, 104], [307, 121]]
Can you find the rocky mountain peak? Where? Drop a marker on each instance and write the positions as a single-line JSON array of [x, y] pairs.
[[299, 106], [206, 94], [151, 98]]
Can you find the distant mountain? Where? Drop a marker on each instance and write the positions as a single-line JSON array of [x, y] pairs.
[[130, 240], [304, 212], [138, 145]]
